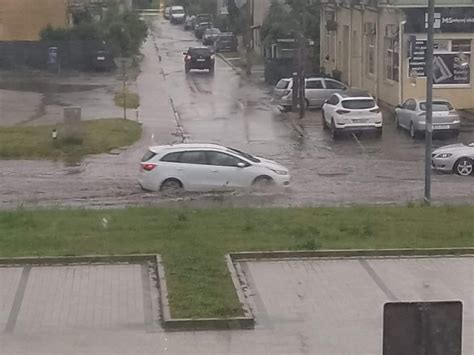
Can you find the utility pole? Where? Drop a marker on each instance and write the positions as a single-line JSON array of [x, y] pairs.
[[248, 68], [429, 102], [301, 66], [124, 88], [301, 76]]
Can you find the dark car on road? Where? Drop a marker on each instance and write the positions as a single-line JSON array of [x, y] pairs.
[[226, 42], [210, 36], [201, 58], [200, 28]]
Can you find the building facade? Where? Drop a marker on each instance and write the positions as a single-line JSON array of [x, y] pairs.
[[22, 20], [380, 46]]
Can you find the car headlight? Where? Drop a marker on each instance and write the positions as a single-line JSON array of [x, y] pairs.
[[444, 155], [280, 172]]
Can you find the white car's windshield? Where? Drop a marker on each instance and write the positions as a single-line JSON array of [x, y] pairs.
[[245, 155]]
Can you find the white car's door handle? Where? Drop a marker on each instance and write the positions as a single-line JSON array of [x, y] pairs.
[[215, 171]]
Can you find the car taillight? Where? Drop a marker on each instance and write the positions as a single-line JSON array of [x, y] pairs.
[[212, 57], [148, 166], [286, 92], [375, 110], [188, 57], [342, 112], [453, 113], [422, 114]]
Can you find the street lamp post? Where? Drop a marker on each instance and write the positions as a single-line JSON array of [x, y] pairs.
[[429, 102]]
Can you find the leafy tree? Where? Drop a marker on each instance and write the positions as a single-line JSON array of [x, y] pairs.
[[124, 32]]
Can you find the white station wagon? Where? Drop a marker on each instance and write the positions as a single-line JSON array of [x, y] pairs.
[[207, 167]]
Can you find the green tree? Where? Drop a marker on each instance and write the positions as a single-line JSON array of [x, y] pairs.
[[122, 31]]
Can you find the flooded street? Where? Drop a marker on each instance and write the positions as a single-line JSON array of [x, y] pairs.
[[227, 109]]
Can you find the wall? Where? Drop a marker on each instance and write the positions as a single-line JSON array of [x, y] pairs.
[[346, 50], [462, 96], [73, 55], [22, 20]]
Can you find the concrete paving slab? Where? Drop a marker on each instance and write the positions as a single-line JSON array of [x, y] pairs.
[[336, 306], [9, 280], [310, 306], [82, 297]]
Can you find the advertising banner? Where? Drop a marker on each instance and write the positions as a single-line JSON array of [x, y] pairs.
[[448, 68]]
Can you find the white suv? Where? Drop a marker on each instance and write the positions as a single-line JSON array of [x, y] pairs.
[[177, 14], [206, 167], [351, 111]]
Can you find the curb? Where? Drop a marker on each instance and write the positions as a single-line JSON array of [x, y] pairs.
[[86, 259], [236, 69], [354, 253], [195, 324]]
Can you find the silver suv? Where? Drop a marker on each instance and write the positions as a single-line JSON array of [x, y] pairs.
[[317, 91]]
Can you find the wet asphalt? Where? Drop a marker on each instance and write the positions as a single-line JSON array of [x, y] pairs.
[[233, 110]]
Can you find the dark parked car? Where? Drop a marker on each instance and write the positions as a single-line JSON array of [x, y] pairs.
[[199, 58], [201, 18], [210, 36], [226, 42], [200, 28]]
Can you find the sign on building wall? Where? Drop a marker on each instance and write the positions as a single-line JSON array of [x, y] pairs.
[[447, 20], [450, 66]]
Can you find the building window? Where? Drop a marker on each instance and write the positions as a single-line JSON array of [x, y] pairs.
[[391, 58], [370, 38], [461, 45]]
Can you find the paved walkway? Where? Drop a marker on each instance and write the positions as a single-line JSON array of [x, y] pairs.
[[302, 307]]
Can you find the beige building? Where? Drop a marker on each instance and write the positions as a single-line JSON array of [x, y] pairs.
[[22, 20], [380, 45]]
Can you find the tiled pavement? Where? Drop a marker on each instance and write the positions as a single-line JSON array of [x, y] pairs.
[[302, 306]]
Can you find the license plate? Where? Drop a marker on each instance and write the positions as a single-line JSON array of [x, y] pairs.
[[363, 120], [201, 60], [441, 126], [100, 58]]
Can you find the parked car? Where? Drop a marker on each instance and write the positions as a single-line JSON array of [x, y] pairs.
[[210, 35], [188, 23], [206, 167], [411, 115], [317, 91], [200, 28], [226, 42], [177, 14], [202, 18], [352, 110], [457, 158], [199, 58], [167, 13]]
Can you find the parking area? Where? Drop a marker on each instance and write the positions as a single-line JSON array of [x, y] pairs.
[[335, 306], [51, 299], [302, 306]]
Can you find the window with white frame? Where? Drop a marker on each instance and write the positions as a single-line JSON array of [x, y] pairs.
[[391, 58]]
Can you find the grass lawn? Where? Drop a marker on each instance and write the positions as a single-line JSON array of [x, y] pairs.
[[132, 99], [35, 142], [193, 242]]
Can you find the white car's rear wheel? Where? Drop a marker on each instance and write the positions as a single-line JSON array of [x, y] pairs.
[[464, 167], [171, 186]]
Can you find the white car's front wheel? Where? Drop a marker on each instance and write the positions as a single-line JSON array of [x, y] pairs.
[[263, 183], [464, 167]]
